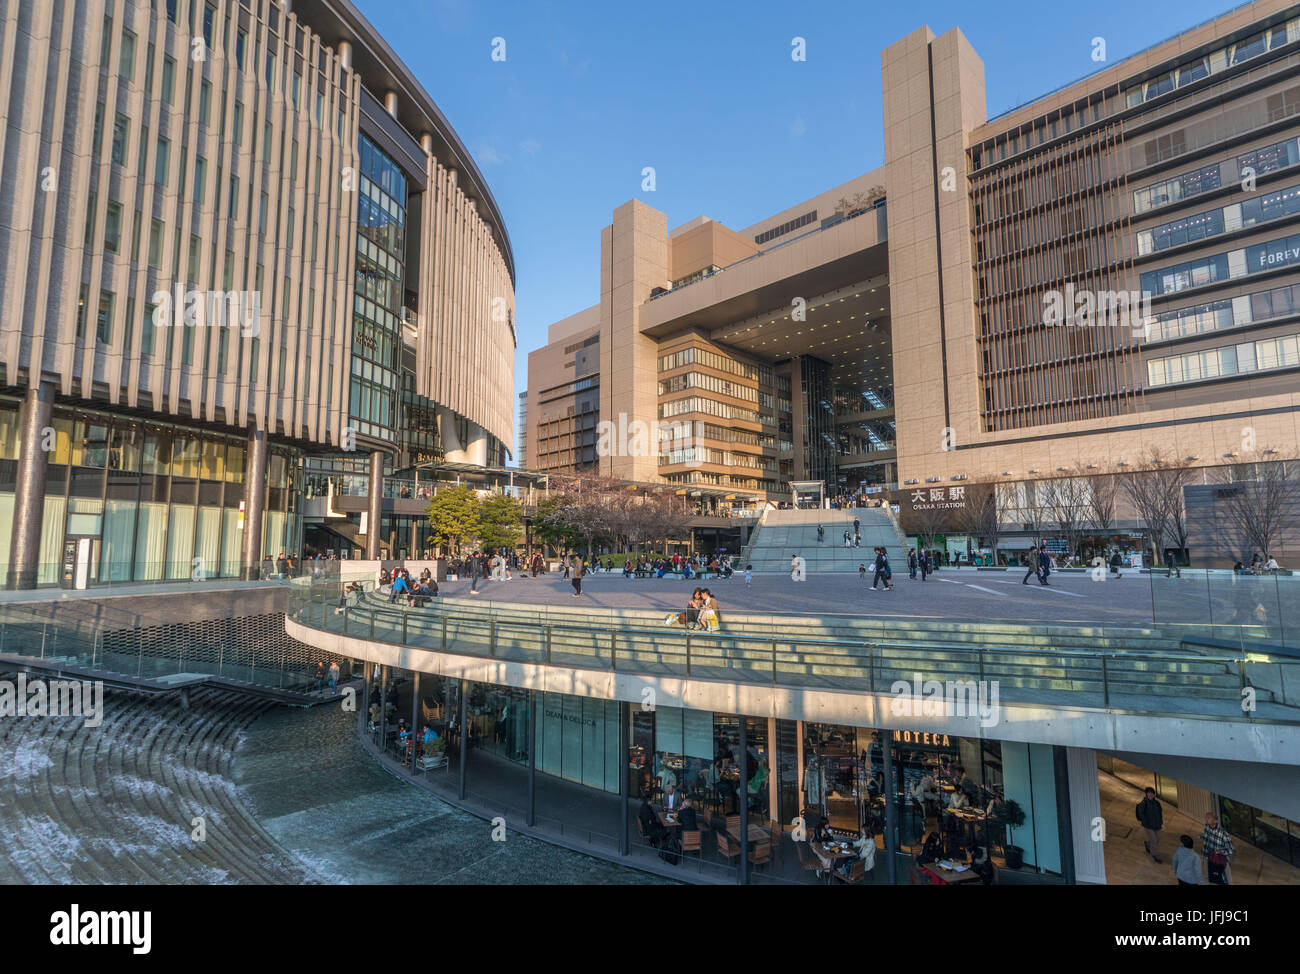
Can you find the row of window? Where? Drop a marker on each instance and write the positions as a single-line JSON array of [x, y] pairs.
[[712, 360], [1205, 179], [1235, 312], [1282, 252], [704, 454], [694, 404], [699, 380], [1226, 219], [1214, 62], [1260, 356]]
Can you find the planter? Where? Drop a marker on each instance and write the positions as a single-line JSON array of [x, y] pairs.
[[1015, 856], [991, 568]]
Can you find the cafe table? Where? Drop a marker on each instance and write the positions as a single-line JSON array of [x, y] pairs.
[[949, 877], [754, 833]]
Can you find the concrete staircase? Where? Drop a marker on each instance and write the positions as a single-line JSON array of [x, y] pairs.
[[781, 535], [1144, 668]]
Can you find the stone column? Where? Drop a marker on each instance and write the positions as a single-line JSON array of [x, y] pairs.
[[29, 495], [376, 504], [254, 503]]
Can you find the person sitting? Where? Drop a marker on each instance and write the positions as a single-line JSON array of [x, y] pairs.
[[865, 847], [693, 606], [931, 850], [821, 830], [672, 800], [959, 800], [982, 866], [686, 818], [651, 827]]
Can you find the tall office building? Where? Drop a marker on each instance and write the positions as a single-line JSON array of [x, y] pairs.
[[227, 226], [928, 321]]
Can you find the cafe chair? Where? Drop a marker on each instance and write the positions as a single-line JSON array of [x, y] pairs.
[[691, 841], [733, 822], [856, 873], [726, 848], [760, 853]]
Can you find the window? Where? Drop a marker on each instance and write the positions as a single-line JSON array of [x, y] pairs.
[[205, 103], [168, 79], [90, 221], [104, 318], [98, 132], [147, 330], [171, 10], [121, 133], [112, 226], [209, 14], [161, 161], [195, 246], [237, 123], [148, 72], [232, 198], [200, 178], [81, 311], [135, 239], [241, 46], [126, 62], [155, 244]]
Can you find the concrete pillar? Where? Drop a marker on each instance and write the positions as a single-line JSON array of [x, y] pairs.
[[29, 495], [798, 421], [390, 103], [375, 498], [344, 49], [254, 503]]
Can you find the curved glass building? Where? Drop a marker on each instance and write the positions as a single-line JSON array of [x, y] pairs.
[[238, 239]]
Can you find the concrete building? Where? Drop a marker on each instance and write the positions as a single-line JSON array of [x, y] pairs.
[[214, 267], [1111, 268]]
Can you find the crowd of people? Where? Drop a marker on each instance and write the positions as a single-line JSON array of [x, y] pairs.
[[399, 584]]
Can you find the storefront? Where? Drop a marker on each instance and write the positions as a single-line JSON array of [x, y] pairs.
[[128, 500]]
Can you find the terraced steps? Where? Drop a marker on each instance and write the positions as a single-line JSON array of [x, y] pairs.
[[116, 803], [780, 535]]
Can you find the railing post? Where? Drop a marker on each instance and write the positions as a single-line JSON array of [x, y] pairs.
[[43, 625], [688, 653], [492, 637], [548, 644], [94, 646], [613, 648], [372, 625], [345, 620], [1105, 684], [980, 652], [1241, 668], [774, 662], [444, 642], [139, 652], [405, 616], [871, 666]]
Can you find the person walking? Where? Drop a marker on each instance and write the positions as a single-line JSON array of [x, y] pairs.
[[1040, 565], [1186, 863], [1217, 846], [911, 564], [862, 570], [475, 570], [576, 573], [334, 676], [821, 534], [749, 576], [1151, 816], [924, 561]]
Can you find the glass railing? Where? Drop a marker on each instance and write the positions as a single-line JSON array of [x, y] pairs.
[[1177, 679], [1245, 610]]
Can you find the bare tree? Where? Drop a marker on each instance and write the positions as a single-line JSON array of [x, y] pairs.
[[1259, 499], [982, 517], [1067, 502], [1101, 502], [1156, 492]]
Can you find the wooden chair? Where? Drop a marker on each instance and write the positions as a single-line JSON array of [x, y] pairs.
[[733, 822], [692, 841], [726, 848], [760, 853], [856, 873]]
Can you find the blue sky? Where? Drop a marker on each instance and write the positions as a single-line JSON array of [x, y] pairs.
[[707, 94]]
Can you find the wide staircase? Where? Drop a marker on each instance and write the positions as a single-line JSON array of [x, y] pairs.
[[780, 535], [116, 804], [1129, 667]]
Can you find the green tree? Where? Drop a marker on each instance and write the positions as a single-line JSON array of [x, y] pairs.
[[454, 515], [500, 522]]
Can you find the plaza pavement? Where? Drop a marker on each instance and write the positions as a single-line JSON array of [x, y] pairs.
[[965, 594]]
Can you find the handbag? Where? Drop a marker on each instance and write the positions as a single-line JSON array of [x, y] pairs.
[[1218, 860]]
